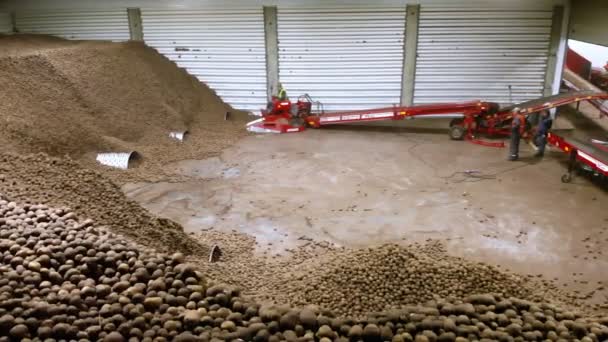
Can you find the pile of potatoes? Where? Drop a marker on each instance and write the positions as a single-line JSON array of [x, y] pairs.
[[64, 279], [355, 282], [64, 182]]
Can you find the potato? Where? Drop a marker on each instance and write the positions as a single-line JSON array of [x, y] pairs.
[[68, 279]]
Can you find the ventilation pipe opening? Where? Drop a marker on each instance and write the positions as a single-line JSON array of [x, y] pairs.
[[179, 136], [120, 160], [215, 254]]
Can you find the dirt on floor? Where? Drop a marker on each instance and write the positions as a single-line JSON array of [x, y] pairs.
[[363, 187], [354, 282], [79, 98]]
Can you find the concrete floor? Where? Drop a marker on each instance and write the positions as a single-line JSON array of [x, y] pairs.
[[360, 187]]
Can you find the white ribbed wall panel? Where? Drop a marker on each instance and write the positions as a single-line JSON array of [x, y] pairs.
[[110, 24], [223, 48], [347, 58], [5, 22], [473, 53]]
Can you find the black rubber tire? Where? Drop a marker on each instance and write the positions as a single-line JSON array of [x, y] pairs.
[[567, 178], [457, 132], [456, 122], [297, 122]]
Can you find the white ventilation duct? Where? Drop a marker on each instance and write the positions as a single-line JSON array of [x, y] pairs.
[[119, 160], [179, 135]]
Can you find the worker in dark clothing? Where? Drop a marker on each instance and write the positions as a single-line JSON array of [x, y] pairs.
[[518, 127], [540, 139]]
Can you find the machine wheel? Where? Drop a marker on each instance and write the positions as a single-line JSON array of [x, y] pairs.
[[456, 122], [296, 122], [567, 178], [457, 132]]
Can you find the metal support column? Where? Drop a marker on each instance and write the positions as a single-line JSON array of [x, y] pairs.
[[271, 39], [135, 25], [410, 47], [13, 15], [556, 33]]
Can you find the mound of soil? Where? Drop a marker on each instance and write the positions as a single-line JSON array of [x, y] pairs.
[[37, 178], [356, 282], [79, 98], [69, 279]]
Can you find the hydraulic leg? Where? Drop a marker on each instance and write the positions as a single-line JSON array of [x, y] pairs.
[[567, 178]]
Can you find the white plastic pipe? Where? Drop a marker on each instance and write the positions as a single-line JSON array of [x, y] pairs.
[[119, 160], [178, 135]]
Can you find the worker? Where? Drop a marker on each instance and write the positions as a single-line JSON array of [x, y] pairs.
[[540, 138], [518, 127], [282, 95]]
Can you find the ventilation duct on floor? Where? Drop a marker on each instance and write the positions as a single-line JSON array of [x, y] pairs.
[[119, 160], [215, 254], [180, 135]]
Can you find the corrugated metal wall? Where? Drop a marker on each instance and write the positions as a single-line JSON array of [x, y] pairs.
[[223, 48], [110, 24], [478, 53], [5, 22], [347, 58]]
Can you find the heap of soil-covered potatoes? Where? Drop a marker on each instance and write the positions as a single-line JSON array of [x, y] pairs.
[[66, 278], [79, 98]]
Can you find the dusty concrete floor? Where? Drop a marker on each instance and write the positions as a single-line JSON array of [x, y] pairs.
[[363, 187]]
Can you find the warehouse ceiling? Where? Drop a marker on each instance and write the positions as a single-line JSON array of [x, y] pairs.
[[588, 21]]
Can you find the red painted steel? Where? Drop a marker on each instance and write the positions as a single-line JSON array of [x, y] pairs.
[[471, 118], [591, 154], [579, 64]]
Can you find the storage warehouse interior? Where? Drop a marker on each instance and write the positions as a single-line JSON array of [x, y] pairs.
[[294, 170]]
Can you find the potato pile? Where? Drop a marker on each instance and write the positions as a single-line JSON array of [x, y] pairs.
[[63, 182], [65, 278], [356, 282], [62, 278]]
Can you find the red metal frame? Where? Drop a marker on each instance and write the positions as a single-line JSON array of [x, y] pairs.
[[578, 64], [476, 117], [398, 113], [597, 163], [597, 103], [278, 118]]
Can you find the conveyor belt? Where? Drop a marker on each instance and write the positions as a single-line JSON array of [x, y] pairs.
[[591, 154], [556, 100], [595, 150]]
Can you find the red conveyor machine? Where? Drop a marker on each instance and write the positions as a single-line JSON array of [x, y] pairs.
[[589, 155], [469, 119]]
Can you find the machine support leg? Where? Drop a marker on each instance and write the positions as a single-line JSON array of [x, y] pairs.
[[567, 178]]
